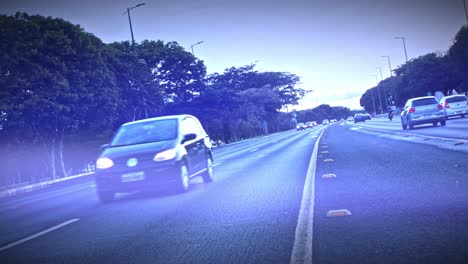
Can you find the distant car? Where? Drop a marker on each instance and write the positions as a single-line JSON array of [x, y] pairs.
[[333, 121], [350, 118], [422, 110], [301, 126], [145, 152], [310, 124], [359, 118], [367, 116], [455, 105], [314, 122], [325, 122]]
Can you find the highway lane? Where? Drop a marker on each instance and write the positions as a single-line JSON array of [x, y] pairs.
[[409, 201], [455, 128], [248, 215]]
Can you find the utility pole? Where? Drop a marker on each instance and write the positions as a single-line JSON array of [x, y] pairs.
[[130, 21]]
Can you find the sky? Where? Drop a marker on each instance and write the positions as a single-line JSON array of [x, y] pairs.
[[333, 45]]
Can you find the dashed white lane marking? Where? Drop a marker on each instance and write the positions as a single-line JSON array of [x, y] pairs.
[[216, 164], [38, 234], [302, 249], [260, 156], [253, 150]]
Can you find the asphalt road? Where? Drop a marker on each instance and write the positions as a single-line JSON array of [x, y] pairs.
[[455, 128], [409, 204], [247, 215], [408, 201]]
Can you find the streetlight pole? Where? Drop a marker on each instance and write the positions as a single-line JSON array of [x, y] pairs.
[[130, 20], [404, 46], [466, 13], [378, 92], [389, 65], [191, 46]]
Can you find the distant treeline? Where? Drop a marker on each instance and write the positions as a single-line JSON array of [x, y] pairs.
[[63, 92], [424, 75]]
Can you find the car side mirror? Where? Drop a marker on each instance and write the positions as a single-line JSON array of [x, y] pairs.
[[105, 146], [189, 137]]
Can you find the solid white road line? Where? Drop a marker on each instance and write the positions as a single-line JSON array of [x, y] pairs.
[[216, 164], [302, 249], [38, 234], [253, 150]]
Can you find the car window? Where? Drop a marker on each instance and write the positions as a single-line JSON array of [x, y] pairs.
[[456, 99], [425, 101], [189, 125], [150, 131]]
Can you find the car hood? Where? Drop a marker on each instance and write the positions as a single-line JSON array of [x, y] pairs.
[[138, 150]]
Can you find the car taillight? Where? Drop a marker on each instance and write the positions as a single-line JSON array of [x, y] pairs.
[[446, 105], [441, 107], [412, 110]]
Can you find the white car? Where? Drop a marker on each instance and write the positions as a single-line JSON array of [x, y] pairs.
[[455, 105], [325, 122]]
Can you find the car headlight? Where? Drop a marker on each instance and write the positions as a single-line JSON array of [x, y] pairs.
[[104, 163], [165, 155]]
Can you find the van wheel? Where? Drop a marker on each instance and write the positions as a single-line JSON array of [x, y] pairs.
[[208, 174]]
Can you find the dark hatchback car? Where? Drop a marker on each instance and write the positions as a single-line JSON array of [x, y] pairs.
[[359, 118], [149, 152]]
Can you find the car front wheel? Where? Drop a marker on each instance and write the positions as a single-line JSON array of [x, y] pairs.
[[105, 196], [183, 179]]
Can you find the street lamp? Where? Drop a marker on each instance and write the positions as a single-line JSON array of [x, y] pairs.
[[389, 65], [404, 46], [130, 20], [380, 69], [191, 46]]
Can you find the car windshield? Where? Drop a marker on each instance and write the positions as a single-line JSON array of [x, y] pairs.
[[144, 132], [425, 101], [456, 99]]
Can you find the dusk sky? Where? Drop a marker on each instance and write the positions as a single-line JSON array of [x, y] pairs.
[[334, 45]]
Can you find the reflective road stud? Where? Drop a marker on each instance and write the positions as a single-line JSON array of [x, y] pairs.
[[328, 176], [338, 213]]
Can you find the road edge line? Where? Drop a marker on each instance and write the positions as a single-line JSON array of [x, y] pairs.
[[302, 249], [40, 185], [26, 239]]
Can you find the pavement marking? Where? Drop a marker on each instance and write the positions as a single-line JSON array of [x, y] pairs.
[[302, 249], [338, 213], [216, 164], [324, 146], [328, 160], [328, 176], [260, 156], [253, 150], [324, 152], [38, 234]]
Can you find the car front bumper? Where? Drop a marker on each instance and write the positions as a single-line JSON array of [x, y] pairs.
[[136, 179]]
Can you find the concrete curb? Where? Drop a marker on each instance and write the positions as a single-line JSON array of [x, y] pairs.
[[40, 185]]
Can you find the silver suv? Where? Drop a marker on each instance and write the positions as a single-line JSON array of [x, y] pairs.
[[455, 105], [422, 110]]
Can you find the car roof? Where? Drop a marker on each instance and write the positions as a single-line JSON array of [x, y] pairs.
[[157, 118]]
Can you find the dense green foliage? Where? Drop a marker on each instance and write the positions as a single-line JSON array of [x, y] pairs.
[[425, 75], [63, 92]]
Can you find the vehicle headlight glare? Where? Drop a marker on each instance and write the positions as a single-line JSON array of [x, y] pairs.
[[104, 163], [165, 155]]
